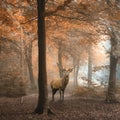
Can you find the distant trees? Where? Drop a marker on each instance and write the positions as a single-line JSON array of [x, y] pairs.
[[108, 16], [60, 56], [90, 64], [19, 35], [10, 81], [76, 70], [28, 59]]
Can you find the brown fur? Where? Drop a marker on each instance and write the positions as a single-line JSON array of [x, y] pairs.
[[60, 85]]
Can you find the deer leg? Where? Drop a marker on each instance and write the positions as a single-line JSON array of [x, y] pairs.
[[63, 95], [60, 93], [53, 93]]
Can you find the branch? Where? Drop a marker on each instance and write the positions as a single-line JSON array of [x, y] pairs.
[[15, 46], [58, 15], [9, 40], [70, 17], [60, 7], [30, 20]]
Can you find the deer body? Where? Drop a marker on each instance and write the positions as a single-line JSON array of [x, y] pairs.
[[60, 85]]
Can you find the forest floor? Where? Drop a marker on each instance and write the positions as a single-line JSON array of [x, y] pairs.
[[73, 108]]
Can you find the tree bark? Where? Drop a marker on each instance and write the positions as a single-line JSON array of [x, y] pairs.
[[110, 96], [76, 70], [60, 66], [29, 64], [112, 80], [90, 65], [42, 79]]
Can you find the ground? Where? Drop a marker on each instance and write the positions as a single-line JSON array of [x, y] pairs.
[[73, 108]]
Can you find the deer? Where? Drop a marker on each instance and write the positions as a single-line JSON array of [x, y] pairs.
[[60, 84]]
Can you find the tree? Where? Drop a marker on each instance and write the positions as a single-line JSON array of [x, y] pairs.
[[110, 97], [42, 79], [76, 70], [113, 28], [28, 58], [90, 64], [60, 64], [24, 42]]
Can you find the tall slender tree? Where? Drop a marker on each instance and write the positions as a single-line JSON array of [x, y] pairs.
[[60, 64], [42, 79], [90, 65], [28, 58], [76, 70]]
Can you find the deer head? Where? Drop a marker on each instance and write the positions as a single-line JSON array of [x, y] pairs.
[[66, 72], [65, 78]]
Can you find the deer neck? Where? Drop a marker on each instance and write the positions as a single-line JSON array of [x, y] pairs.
[[65, 81]]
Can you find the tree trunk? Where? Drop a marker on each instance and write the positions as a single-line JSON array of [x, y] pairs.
[[60, 67], [112, 80], [110, 96], [42, 79], [76, 70], [29, 64], [30, 69], [90, 65]]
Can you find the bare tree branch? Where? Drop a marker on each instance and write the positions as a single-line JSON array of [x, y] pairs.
[[60, 7]]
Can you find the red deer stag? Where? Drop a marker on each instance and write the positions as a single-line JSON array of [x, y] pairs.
[[60, 84]]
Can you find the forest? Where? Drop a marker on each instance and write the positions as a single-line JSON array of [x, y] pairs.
[[59, 59]]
